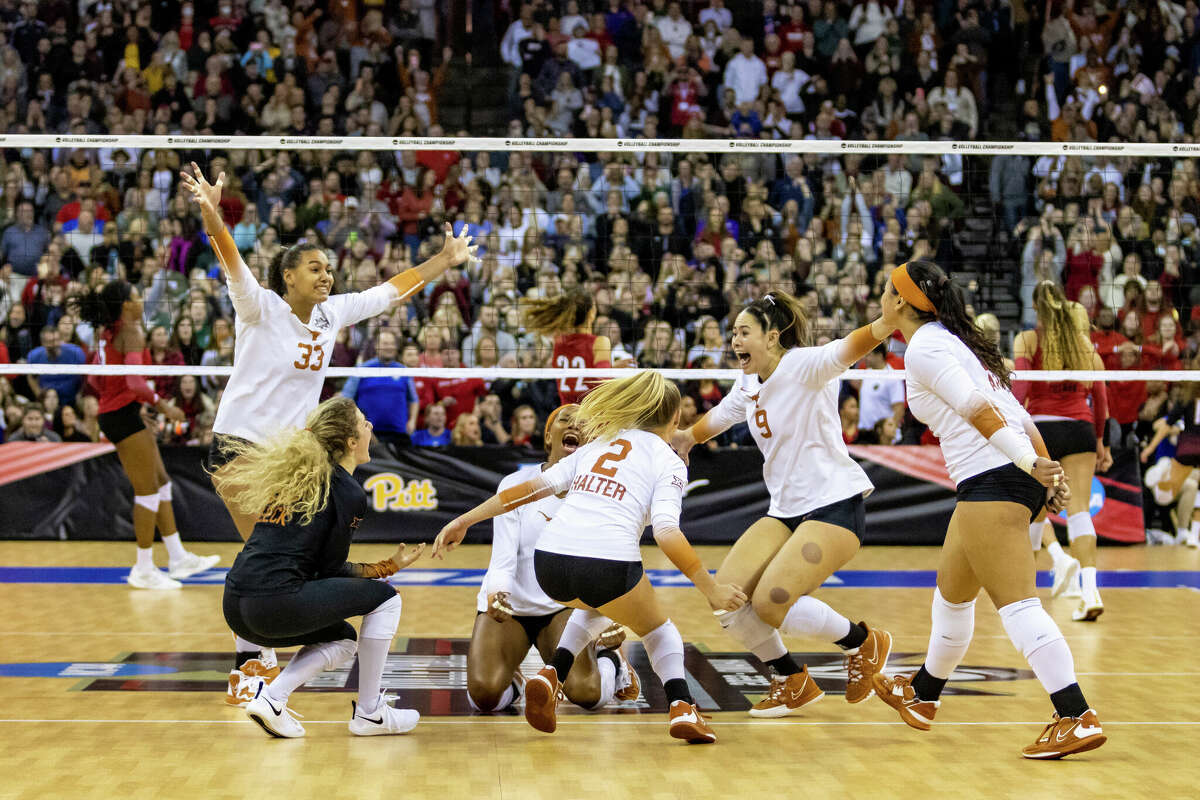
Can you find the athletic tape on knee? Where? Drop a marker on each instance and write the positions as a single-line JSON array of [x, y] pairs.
[[582, 627], [664, 647], [147, 501], [383, 621], [1079, 525], [949, 636], [164, 493], [339, 653], [748, 629], [1028, 626], [1035, 535]]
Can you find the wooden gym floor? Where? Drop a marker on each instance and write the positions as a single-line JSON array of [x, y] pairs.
[[80, 714]]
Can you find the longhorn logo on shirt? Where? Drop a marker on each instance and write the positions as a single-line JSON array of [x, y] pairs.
[[320, 320], [355, 522]]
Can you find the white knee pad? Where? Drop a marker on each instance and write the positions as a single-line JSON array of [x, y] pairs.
[[383, 621], [751, 632], [1029, 626], [1079, 525], [664, 646], [950, 634], [147, 501], [164, 493], [582, 627], [331, 654], [1035, 535]]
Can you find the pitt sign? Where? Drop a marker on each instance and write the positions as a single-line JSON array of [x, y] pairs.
[[390, 492]]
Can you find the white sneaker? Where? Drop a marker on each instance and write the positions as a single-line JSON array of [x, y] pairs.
[[279, 722], [1064, 574], [1192, 539], [191, 564], [150, 578], [1075, 590], [385, 720], [1089, 609], [1156, 536]]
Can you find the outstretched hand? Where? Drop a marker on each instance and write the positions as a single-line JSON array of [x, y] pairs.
[[404, 557], [459, 248], [207, 195], [449, 538]]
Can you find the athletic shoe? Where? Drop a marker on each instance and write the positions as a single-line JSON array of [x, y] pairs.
[[788, 695], [151, 578], [1089, 609], [612, 637], [385, 720], [541, 700], [1064, 573], [870, 657], [1075, 588], [278, 722], [191, 564], [630, 688], [689, 724], [1157, 536], [1191, 539], [241, 688], [898, 693], [1066, 736]]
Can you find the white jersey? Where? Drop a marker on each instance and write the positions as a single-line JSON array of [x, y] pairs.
[[793, 418], [942, 376], [279, 362], [514, 536], [614, 488]]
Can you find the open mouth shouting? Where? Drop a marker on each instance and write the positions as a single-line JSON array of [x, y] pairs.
[[743, 358], [571, 441]]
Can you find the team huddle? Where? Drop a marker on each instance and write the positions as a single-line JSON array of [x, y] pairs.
[[566, 573]]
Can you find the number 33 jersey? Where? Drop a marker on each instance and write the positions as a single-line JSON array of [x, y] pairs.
[[614, 489], [279, 362], [793, 416]]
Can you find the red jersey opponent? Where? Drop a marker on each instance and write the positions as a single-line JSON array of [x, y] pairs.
[[569, 318]]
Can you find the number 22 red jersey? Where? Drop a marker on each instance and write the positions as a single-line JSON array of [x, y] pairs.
[[575, 351]]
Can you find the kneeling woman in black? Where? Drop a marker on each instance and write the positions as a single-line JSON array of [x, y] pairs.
[[291, 584]]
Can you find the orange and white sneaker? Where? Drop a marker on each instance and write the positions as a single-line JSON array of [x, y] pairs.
[[898, 693], [631, 687], [244, 681], [1066, 736], [788, 695], [612, 637], [542, 692], [689, 724], [268, 670], [861, 666]]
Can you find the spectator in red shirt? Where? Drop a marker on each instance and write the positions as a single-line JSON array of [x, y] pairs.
[[458, 395], [1154, 307], [439, 161], [1163, 349], [848, 411], [411, 358], [1107, 340], [1083, 262]]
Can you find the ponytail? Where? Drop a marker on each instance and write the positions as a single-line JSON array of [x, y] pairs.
[[557, 315], [950, 309], [1063, 341], [101, 306], [644, 401], [288, 474], [780, 311], [286, 260]]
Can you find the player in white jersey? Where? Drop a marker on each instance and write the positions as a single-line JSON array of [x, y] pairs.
[[788, 395], [284, 338], [514, 613], [959, 386], [588, 557]]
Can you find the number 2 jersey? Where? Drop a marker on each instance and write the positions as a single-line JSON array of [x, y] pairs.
[[279, 362], [615, 488], [793, 417]]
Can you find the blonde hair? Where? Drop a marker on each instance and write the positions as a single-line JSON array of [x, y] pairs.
[[289, 474], [458, 436], [1062, 342], [644, 401], [556, 315]]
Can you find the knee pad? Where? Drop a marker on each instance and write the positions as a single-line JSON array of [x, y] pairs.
[[164, 493], [661, 644], [1028, 626], [333, 654], [745, 626], [1162, 496], [1079, 525], [383, 621], [1035, 536], [147, 501], [954, 622]]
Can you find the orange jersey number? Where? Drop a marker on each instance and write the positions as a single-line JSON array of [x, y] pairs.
[[306, 354], [760, 419], [623, 446]]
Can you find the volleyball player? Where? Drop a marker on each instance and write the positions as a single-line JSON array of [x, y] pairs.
[[569, 319], [588, 555], [291, 584], [788, 395], [284, 340], [514, 613], [1072, 430], [958, 385], [115, 311], [1184, 417]]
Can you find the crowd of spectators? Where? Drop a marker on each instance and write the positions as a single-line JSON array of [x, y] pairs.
[[669, 245]]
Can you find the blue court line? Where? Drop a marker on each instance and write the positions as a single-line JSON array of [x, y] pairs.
[[868, 578]]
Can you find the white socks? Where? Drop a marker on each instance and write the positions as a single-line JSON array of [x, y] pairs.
[[808, 616], [1057, 553], [664, 646], [175, 548], [949, 636], [145, 558], [581, 630], [608, 681], [1034, 633], [1087, 581], [745, 626], [310, 661], [378, 630]]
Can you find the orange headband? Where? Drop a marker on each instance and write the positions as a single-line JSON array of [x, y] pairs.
[[553, 416], [907, 288]]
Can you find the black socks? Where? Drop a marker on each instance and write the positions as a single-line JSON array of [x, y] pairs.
[[853, 639], [784, 665], [562, 661], [677, 689], [1069, 702], [242, 656], [928, 687]]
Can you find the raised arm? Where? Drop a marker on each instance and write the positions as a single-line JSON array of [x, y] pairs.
[[208, 197], [455, 250], [508, 499]]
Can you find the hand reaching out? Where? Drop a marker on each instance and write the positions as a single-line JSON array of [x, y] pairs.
[[207, 195], [459, 248]]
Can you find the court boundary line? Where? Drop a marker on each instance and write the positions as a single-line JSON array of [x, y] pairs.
[[654, 721]]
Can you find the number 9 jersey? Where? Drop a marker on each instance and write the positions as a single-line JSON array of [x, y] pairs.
[[793, 417], [279, 362]]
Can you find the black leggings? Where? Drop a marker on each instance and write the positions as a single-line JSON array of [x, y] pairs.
[[314, 614]]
